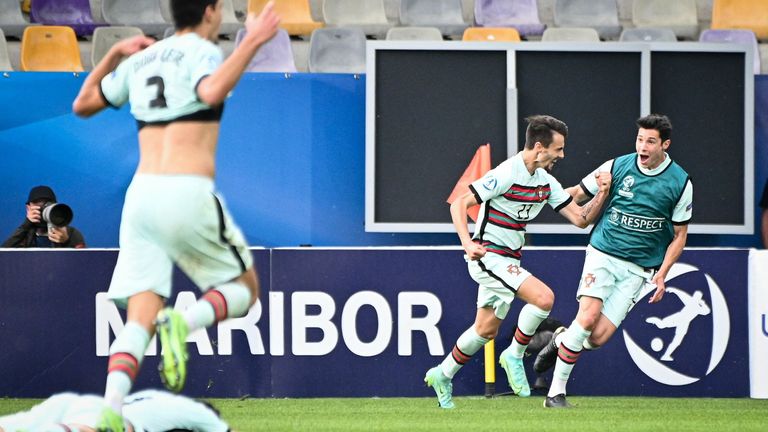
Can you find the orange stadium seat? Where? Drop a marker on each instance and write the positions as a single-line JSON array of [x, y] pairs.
[[295, 15], [491, 34], [50, 48], [741, 15]]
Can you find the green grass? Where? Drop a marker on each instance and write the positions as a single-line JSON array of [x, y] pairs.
[[603, 414]]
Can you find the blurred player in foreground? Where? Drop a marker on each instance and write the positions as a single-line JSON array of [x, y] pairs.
[[176, 89], [144, 411], [512, 194], [641, 234]]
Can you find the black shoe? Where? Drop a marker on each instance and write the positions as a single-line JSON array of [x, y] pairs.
[[548, 355], [557, 401]]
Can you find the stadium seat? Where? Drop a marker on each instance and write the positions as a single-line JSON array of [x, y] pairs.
[[677, 15], [72, 13], [367, 15], [520, 14], [96, 11], [443, 14], [50, 48], [746, 37], [105, 37], [491, 34], [295, 17], [570, 34], [601, 15], [741, 14], [274, 56], [229, 23], [648, 34], [144, 14], [415, 33], [5, 59], [168, 32], [11, 19], [337, 50]]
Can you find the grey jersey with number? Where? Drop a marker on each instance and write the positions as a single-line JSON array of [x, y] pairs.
[[161, 81]]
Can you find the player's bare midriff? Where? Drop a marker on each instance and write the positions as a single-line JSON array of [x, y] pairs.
[[186, 147]]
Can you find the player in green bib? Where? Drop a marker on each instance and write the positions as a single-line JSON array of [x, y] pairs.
[[636, 241]]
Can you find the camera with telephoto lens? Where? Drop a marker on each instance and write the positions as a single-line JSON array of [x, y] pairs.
[[56, 214]]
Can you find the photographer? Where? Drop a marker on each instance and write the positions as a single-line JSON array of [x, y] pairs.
[[36, 232]]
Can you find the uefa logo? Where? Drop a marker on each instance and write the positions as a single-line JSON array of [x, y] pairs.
[[683, 338]]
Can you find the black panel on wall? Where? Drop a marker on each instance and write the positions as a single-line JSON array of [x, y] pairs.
[[596, 93], [707, 126], [433, 110]]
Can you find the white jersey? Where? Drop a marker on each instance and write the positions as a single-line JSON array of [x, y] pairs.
[[511, 197], [161, 81]]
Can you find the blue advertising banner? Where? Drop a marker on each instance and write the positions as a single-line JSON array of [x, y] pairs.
[[369, 322]]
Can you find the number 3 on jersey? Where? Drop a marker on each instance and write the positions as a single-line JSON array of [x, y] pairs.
[[159, 100]]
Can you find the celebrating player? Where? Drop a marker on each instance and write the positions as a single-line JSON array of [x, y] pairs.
[[176, 88], [638, 238], [512, 194]]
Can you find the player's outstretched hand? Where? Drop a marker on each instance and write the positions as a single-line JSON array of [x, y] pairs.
[[263, 26], [133, 45], [658, 279]]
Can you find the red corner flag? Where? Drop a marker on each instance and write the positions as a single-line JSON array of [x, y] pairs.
[[480, 164]]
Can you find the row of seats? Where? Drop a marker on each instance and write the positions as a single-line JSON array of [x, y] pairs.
[[340, 50], [154, 16]]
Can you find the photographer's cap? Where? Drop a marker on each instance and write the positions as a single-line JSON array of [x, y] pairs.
[[41, 193]]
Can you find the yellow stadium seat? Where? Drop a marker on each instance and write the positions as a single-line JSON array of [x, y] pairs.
[[26, 5], [492, 34], [741, 15], [50, 48], [295, 16]]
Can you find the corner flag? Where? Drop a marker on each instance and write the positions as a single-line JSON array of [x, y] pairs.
[[478, 166]]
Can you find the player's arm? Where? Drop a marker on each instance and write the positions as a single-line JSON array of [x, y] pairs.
[[459, 217], [674, 250], [214, 88], [91, 100], [582, 216]]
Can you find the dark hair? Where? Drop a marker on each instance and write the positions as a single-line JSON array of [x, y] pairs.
[[189, 13], [658, 122], [540, 129]]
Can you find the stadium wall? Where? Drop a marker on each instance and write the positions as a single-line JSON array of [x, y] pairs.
[[366, 322], [291, 159]]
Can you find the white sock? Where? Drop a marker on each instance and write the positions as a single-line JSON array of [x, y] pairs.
[[230, 300], [527, 323], [125, 356], [466, 346], [568, 353]]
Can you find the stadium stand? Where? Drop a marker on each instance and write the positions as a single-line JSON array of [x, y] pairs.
[[734, 36], [72, 13], [144, 14], [105, 37], [5, 59], [443, 14], [337, 50], [367, 15], [570, 34], [523, 15], [229, 22], [295, 17], [415, 33], [491, 34], [12, 21], [601, 15], [648, 34], [741, 14], [274, 56], [50, 48], [677, 15]]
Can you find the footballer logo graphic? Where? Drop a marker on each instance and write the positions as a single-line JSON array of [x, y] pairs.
[[626, 185], [670, 330], [489, 183]]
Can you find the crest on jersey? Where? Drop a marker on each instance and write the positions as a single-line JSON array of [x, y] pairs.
[[589, 279], [626, 186], [490, 183]]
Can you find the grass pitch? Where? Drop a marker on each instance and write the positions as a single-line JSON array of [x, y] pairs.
[[603, 414]]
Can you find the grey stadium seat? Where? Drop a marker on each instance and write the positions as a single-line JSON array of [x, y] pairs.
[[144, 14], [105, 37], [337, 50], [677, 15], [444, 14], [414, 33], [570, 34], [367, 15], [11, 19], [648, 34], [5, 59], [601, 15]]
